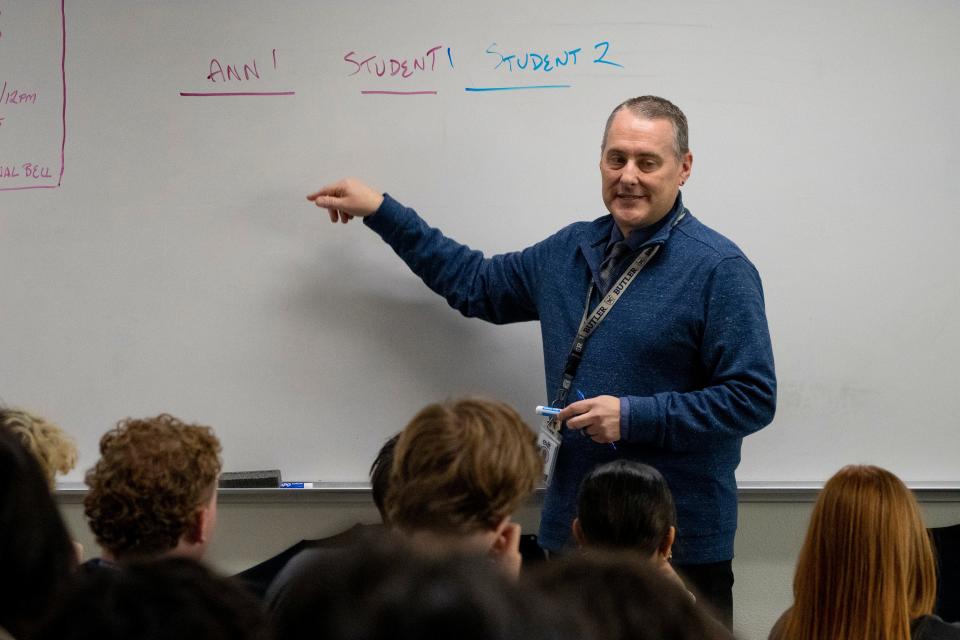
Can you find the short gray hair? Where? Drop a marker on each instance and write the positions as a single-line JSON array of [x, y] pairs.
[[651, 108]]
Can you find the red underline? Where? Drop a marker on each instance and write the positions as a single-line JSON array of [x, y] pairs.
[[220, 94], [399, 93], [39, 186]]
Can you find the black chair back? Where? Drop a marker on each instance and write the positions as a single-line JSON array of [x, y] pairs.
[[946, 541]]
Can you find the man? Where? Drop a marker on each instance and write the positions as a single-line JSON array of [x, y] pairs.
[[457, 472], [618, 595], [165, 598], [386, 590], [675, 374], [153, 492], [259, 578], [460, 470]]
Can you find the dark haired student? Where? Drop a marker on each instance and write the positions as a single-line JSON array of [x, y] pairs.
[[160, 598], [36, 555], [259, 577], [656, 319], [626, 505]]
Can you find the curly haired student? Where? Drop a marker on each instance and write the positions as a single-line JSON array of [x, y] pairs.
[[154, 489]]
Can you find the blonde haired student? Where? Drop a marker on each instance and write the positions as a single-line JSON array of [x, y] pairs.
[[53, 449]]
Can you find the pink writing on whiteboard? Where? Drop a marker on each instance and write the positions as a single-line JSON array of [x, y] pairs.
[[32, 95]]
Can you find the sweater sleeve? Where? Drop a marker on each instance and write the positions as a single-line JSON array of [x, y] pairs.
[[499, 289], [740, 393]]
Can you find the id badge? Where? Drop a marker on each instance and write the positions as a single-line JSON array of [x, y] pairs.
[[548, 441]]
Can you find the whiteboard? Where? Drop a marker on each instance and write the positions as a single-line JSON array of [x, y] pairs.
[[167, 259]]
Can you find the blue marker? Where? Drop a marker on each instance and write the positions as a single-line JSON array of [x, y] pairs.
[[296, 485], [547, 411]]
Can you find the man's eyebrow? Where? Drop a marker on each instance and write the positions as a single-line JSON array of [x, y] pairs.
[[643, 154]]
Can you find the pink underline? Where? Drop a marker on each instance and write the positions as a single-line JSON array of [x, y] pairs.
[[41, 186], [188, 94], [399, 93]]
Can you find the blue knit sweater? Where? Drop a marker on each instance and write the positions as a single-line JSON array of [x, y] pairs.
[[686, 349]]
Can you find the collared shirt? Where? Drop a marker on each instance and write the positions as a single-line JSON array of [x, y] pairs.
[[635, 241]]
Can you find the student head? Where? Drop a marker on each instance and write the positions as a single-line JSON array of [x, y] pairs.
[[55, 451], [460, 470], [622, 597], [159, 599], [385, 590], [626, 505], [153, 491], [36, 556], [866, 566], [380, 475]]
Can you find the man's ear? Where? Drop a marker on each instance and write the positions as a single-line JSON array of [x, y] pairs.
[[686, 167], [578, 533]]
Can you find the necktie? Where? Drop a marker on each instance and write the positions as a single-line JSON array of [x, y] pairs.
[[609, 268]]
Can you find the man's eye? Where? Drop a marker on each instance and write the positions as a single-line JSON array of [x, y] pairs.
[[615, 161], [648, 165]]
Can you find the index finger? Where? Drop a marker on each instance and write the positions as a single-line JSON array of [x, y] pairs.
[[335, 189], [573, 409]]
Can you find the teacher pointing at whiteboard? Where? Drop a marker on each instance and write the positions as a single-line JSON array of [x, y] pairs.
[[654, 332]]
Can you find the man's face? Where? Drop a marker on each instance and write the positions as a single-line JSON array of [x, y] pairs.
[[640, 173]]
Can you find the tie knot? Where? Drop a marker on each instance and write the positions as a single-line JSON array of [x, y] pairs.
[[618, 250]]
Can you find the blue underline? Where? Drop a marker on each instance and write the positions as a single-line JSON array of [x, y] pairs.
[[528, 86]]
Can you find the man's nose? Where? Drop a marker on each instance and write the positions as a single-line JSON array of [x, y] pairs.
[[630, 173]]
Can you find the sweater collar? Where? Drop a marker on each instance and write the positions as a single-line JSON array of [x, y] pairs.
[[639, 237], [600, 233]]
